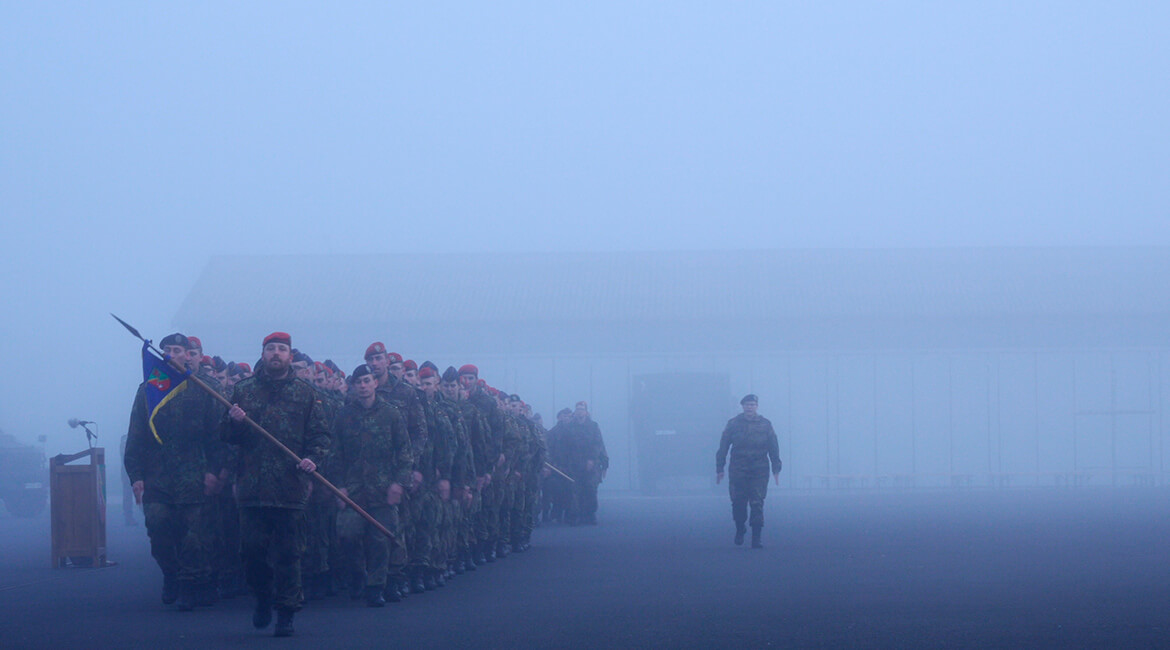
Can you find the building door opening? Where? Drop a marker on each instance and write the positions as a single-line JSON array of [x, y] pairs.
[[677, 418]]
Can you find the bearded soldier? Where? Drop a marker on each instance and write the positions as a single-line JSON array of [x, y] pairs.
[[271, 489]]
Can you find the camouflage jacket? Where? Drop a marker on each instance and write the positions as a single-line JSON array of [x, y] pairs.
[[409, 402], [495, 427], [581, 443], [291, 411], [537, 451], [443, 441], [462, 456], [752, 443], [172, 472], [479, 437], [373, 451], [553, 440]]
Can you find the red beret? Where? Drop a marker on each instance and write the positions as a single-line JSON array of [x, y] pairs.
[[492, 391], [375, 348], [319, 367], [410, 364], [482, 383], [245, 366], [469, 370], [393, 357], [206, 361], [426, 372], [195, 342], [278, 337]]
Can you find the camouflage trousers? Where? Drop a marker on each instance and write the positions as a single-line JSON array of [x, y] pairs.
[[373, 558], [426, 512], [272, 542], [468, 517], [507, 503], [181, 539], [524, 511], [321, 537], [748, 490], [488, 520], [225, 559], [583, 504]]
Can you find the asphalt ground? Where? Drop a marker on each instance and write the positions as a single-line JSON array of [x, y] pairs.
[[1001, 569]]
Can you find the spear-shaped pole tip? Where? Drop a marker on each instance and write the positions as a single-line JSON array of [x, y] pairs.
[[127, 326]]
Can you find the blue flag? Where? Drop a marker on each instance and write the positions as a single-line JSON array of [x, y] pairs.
[[162, 383]]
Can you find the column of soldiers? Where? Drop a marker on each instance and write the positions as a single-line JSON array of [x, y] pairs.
[[451, 466]]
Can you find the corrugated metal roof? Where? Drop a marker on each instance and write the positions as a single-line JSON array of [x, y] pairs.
[[693, 286]]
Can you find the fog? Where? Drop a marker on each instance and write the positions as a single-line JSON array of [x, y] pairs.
[[148, 153]]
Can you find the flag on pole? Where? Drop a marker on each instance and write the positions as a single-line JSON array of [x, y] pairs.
[[163, 382]]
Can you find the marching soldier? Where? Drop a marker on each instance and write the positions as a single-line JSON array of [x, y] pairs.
[[375, 455], [174, 476], [272, 491], [586, 461], [752, 442]]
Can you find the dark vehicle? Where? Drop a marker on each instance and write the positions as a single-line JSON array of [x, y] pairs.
[[24, 477], [677, 420]]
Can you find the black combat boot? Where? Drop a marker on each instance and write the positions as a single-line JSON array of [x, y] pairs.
[[756, 537], [390, 592], [417, 586], [428, 579], [186, 596], [502, 550], [284, 620], [440, 578], [477, 557], [262, 615], [170, 589], [489, 552], [374, 597], [740, 531]]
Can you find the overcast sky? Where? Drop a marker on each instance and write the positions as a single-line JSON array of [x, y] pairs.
[[136, 139]]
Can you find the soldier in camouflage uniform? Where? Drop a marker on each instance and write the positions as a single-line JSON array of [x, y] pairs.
[[174, 476], [374, 450], [445, 440], [752, 442], [555, 489], [388, 368], [321, 511], [487, 434], [477, 469], [271, 488], [586, 461], [462, 473], [527, 468]]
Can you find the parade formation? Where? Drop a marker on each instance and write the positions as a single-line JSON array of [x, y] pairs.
[[295, 481]]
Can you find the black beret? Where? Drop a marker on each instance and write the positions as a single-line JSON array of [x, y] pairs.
[[361, 371], [750, 397], [450, 374], [175, 339]]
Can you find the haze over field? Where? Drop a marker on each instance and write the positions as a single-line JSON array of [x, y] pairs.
[[137, 140]]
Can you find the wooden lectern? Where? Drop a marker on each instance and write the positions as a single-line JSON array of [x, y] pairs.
[[78, 496]]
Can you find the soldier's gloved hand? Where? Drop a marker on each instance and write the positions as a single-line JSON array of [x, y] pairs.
[[307, 466], [394, 494], [139, 487], [718, 477], [236, 413]]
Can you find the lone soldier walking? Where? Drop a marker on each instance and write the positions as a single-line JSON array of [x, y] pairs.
[[272, 491], [752, 442]]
